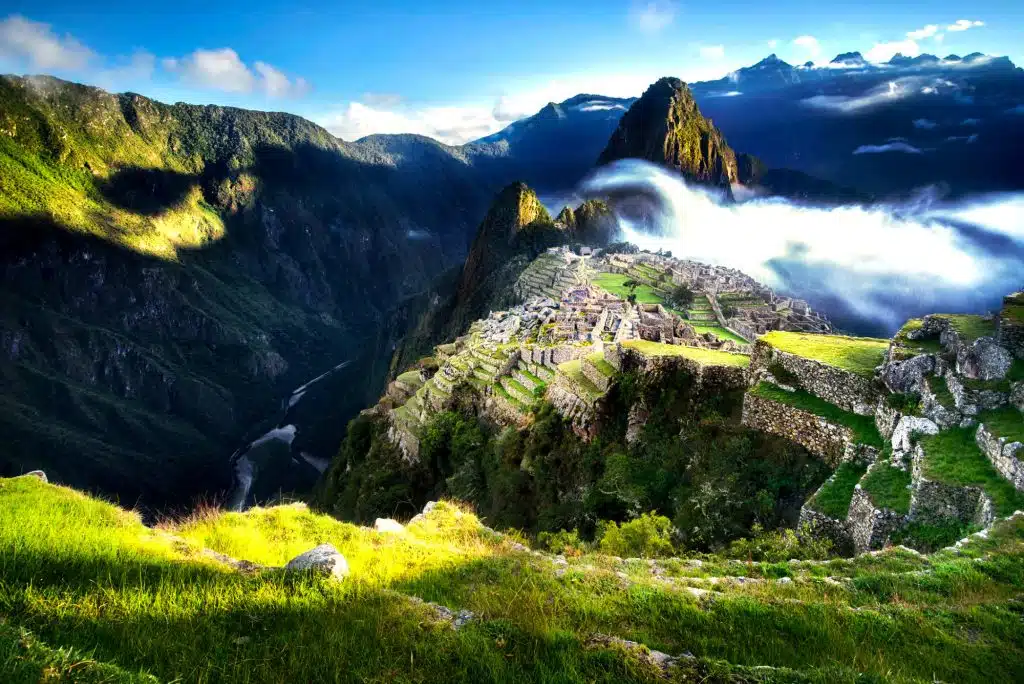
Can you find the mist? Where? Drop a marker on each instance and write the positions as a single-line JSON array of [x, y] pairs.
[[869, 268]]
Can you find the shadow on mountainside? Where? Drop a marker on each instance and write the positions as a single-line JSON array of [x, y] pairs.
[[149, 192]]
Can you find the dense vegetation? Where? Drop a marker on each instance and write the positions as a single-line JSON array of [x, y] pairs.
[[693, 463]]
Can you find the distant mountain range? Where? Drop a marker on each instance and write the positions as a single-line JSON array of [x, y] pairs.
[[881, 129]]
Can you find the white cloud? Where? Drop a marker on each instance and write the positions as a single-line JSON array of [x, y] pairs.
[[922, 33], [652, 17], [888, 147], [809, 44], [35, 45], [963, 25], [222, 69], [970, 122], [844, 104], [712, 52], [925, 124], [773, 43], [450, 125], [939, 37], [883, 52]]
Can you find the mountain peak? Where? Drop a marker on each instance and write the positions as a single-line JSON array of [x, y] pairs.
[[849, 58], [665, 126], [771, 60]]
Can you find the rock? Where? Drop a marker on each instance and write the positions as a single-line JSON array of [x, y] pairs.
[[324, 559], [908, 428], [906, 376], [38, 474], [1017, 395], [983, 360], [785, 580], [429, 507], [388, 525]]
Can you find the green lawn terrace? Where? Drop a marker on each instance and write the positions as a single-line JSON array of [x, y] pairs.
[[97, 597]]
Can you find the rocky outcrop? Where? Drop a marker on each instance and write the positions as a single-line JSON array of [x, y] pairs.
[[984, 359], [665, 127]]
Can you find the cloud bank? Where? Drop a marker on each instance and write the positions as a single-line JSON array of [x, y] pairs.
[[871, 269], [652, 17]]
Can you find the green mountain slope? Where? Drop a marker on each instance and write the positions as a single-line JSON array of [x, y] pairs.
[[172, 271]]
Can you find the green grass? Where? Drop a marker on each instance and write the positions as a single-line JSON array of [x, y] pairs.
[[613, 283], [937, 384], [833, 499], [888, 487], [411, 378], [859, 355], [969, 326], [953, 457], [707, 357], [863, 427], [88, 594], [597, 359], [1004, 422], [718, 331]]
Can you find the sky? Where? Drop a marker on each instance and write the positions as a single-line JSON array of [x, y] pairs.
[[458, 70]]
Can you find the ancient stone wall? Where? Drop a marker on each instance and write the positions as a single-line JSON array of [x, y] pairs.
[[935, 502], [823, 439], [870, 527], [821, 526], [846, 390], [1004, 455]]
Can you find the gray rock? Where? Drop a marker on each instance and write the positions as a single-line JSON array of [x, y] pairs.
[[1017, 395], [38, 474], [324, 559], [907, 429], [906, 376], [983, 360]]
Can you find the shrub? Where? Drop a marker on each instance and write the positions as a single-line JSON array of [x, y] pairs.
[[648, 536], [729, 311], [563, 542], [907, 404], [681, 297], [776, 546]]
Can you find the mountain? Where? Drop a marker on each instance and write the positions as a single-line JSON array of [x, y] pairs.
[[956, 118], [553, 149], [172, 272], [665, 127]]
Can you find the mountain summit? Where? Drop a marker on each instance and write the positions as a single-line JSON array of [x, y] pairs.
[[666, 127]]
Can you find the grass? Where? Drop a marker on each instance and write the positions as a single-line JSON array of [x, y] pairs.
[[90, 594], [833, 499], [969, 326], [707, 357], [953, 457], [888, 487], [859, 355], [597, 360], [718, 331], [411, 378], [613, 283], [1004, 422], [863, 427], [937, 384]]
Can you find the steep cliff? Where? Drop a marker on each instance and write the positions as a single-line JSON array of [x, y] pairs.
[[665, 127], [172, 272]]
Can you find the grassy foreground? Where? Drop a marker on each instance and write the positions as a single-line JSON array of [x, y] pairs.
[[87, 593]]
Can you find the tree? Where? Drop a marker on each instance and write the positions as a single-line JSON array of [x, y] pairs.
[[729, 311], [631, 298], [631, 284], [681, 297]]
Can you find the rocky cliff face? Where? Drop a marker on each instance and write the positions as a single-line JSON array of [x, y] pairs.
[[172, 272], [665, 127]]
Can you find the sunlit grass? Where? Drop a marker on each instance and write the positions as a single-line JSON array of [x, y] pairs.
[[107, 599], [708, 357], [858, 355]]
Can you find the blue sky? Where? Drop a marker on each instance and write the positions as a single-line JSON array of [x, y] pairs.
[[457, 69]]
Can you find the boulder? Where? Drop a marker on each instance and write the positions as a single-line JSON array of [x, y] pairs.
[[983, 360], [324, 559], [907, 429], [388, 525], [1017, 396], [38, 474], [906, 376]]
